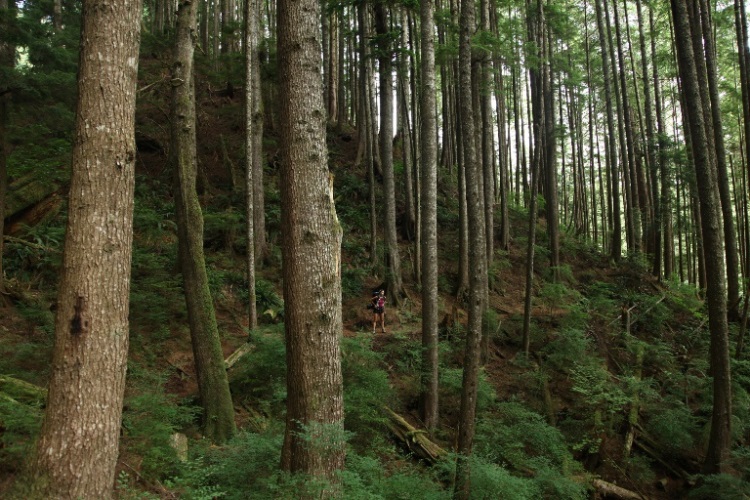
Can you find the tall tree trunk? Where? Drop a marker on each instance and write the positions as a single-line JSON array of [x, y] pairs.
[[665, 202], [710, 206], [503, 166], [463, 207], [77, 450], [252, 155], [616, 248], [394, 280], [7, 62], [313, 440], [405, 131], [632, 217], [743, 61], [428, 158], [333, 66], [703, 22], [218, 411], [655, 228], [477, 255], [341, 104], [550, 144], [366, 125], [486, 135]]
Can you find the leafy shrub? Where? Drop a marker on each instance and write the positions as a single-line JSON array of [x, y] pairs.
[[721, 487], [156, 294], [566, 349], [259, 377], [599, 392], [150, 417], [557, 294], [451, 385], [366, 391], [38, 263], [246, 467], [673, 425], [352, 281], [488, 479], [516, 437], [20, 423], [269, 303], [366, 478], [222, 228]]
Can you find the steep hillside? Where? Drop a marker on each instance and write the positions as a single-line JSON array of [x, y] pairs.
[[615, 386]]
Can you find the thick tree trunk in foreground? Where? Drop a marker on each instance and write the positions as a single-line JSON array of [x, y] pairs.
[[311, 253], [78, 445], [218, 411]]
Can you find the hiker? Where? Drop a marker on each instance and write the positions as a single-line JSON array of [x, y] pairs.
[[378, 310]]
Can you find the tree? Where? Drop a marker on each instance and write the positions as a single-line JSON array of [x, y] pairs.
[[704, 31], [216, 400], [78, 445], [253, 144], [613, 171], [428, 130], [477, 253], [311, 253], [385, 56], [7, 62], [710, 206]]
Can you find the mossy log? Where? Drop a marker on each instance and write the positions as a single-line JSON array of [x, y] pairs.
[[32, 215], [414, 439], [22, 391], [613, 491], [26, 192]]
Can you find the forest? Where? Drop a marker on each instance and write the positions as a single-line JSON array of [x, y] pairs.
[[199, 199]]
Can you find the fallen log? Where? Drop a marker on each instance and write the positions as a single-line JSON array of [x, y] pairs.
[[414, 439], [22, 391], [236, 355], [33, 215], [675, 469], [612, 490]]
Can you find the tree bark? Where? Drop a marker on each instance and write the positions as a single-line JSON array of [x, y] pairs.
[[616, 248], [252, 154], [218, 411], [477, 255], [385, 55], [7, 62], [430, 362], [313, 439], [719, 440], [704, 23], [665, 202], [77, 450]]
